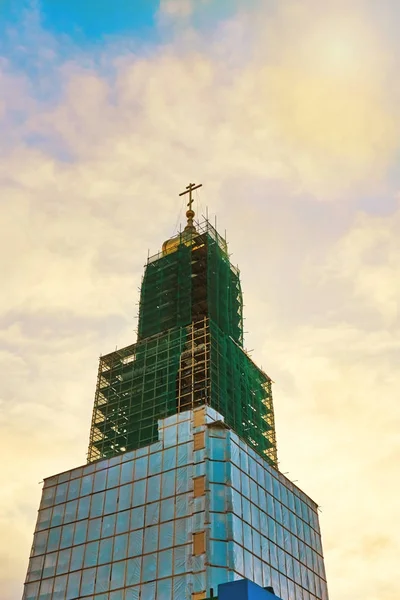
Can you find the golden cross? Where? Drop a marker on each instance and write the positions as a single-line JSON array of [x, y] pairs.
[[189, 190]]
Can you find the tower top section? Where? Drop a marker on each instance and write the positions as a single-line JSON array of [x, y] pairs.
[[190, 213], [186, 236]]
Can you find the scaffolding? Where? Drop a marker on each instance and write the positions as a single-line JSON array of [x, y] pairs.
[[175, 371], [189, 353]]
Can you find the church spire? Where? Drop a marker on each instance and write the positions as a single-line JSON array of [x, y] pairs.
[[190, 213]]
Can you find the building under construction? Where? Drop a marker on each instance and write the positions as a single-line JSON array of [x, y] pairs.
[[182, 491]]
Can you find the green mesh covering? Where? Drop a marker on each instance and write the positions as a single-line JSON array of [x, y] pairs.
[[189, 353]]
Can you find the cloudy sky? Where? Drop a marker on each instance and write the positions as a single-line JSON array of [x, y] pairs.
[[289, 114]]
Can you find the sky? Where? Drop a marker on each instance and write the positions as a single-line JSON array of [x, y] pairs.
[[288, 114]]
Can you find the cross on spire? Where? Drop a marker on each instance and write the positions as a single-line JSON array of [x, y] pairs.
[[190, 213]]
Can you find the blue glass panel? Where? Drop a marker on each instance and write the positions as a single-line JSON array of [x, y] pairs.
[[141, 467], [165, 564], [268, 482], [273, 553], [70, 511], [123, 519], [245, 485], [278, 512], [139, 493], [135, 547], [149, 591], [265, 549], [108, 525], [96, 506], [153, 488], [94, 529], [149, 568], [46, 588], [180, 560], [83, 508], [155, 462], [137, 518], [244, 461], [88, 579], [217, 472], [58, 515], [218, 556], [283, 586], [218, 526], [164, 590], [217, 496], [133, 572], [169, 459], [61, 493], [54, 538], [44, 518], [152, 513], [182, 531], [67, 535], [74, 580], [60, 584], [100, 480], [127, 472], [258, 574], [63, 561], [184, 479], [236, 502], [77, 558], [267, 579], [48, 497], [91, 554], [271, 529], [235, 477], [80, 532], [170, 436], [255, 517], [120, 547], [73, 489], [103, 578], [246, 510], [166, 535], [118, 574], [237, 529], [40, 542], [168, 484], [151, 539], [247, 538], [113, 476], [32, 591], [49, 568], [248, 565], [35, 568], [256, 542], [105, 551], [125, 496], [167, 510], [110, 504], [184, 432], [182, 506], [185, 454]]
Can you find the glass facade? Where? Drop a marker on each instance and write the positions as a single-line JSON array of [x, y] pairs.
[[173, 520]]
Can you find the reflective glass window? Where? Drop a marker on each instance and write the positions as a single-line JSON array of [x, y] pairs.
[[87, 485], [153, 488], [167, 510], [110, 504], [103, 578], [58, 515], [248, 565], [105, 551], [181, 531], [73, 489], [169, 459], [88, 579], [61, 493], [50, 561], [100, 480], [246, 509], [60, 584], [166, 535], [80, 532], [136, 517], [168, 484], [245, 485], [141, 467], [139, 493], [122, 524], [217, 497], [127, 472], [48, 497], [32, 591], [44, 518], [40, 542], [135, 547], [152, 513], [180, 560], [151, 539], [258, 574], [125, 497], [97, 503], [77, 558], [54, 539], [67, 535], [133, 572], [113, 476], [165, 564], [64, 557], [35, 568], [181, 506], [149, 568], [91, 554], [70, 511], [74, 580], [83, 508], [120, 547], [46, 588], [94, 530], [155, 462]]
